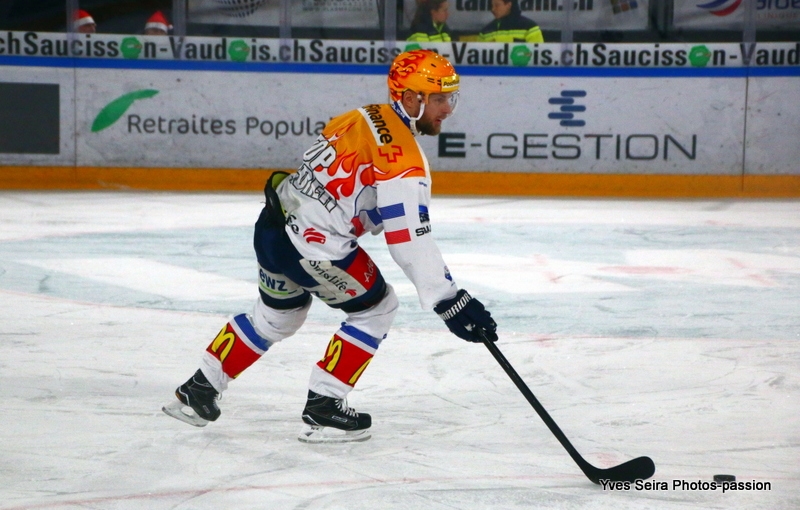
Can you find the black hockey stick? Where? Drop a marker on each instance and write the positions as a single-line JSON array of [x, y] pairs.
[[640, 468]]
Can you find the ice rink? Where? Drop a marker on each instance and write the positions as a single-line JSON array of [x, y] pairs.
[[662, 328]]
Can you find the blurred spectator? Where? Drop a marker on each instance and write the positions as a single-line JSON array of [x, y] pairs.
[[157, 24], [429, 24], [84, 23], [510, 25]]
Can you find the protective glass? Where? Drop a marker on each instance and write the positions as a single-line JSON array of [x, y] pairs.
[[439, 100]]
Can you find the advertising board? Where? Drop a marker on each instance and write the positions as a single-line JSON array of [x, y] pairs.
[[730, 14], [773, 122], [37, 116], [641, 110], [255, 120], [374, 56]]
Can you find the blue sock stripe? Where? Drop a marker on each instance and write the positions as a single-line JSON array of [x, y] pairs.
[[247, 328], [360, 335]]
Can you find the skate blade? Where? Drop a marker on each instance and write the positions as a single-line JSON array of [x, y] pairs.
[[316, 435], [184, 413]]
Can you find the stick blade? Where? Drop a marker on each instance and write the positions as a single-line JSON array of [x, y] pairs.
[[640, 468]]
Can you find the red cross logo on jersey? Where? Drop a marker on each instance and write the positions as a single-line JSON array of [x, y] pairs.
[[391, 156]]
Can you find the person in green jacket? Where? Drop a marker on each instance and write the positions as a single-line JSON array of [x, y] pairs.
[[510, 25], [430, 22]]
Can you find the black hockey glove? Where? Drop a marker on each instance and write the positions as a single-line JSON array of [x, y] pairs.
[[465, 315]]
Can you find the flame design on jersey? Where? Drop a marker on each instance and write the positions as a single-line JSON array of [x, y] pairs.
[[354, 161], [349, 162], [351, 168]]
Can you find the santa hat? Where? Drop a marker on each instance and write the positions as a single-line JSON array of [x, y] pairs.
[[158, 21], [83, 18]]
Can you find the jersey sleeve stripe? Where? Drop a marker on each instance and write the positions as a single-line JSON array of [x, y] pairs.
[[358, 226], [374, 216], [398, 236], [393, 211]]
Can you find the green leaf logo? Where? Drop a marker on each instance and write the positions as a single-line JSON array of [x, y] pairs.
[[520, 55], [117, 108], [238, 51], [700, 56], [130, 47]]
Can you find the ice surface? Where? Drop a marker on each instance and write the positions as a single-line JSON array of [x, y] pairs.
[[661, 328]]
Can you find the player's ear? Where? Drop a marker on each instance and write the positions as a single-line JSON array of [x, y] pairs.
[[411, 102]]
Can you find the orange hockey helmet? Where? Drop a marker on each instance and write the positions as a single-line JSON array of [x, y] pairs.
[[422, 71]]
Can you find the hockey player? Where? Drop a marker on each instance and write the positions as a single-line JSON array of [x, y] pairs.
[[365, 173]]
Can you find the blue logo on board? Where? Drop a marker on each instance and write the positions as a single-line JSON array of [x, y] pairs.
[[567, 108]]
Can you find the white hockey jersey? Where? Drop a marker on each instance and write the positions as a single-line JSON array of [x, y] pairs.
[[367, 173]]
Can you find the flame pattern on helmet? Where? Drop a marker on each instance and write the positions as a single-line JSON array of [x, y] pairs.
[[422, 71]]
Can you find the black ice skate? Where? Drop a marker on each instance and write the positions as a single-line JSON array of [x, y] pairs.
[[330, 420], [197, 402]]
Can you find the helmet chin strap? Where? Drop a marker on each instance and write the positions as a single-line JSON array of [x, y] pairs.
[[412, 120]]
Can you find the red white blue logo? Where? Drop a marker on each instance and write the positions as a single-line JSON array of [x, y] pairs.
[[720, 7]]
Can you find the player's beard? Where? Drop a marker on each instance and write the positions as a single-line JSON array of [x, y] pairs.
[[427, 127]]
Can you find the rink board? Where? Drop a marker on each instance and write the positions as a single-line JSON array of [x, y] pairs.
[[634, 132]]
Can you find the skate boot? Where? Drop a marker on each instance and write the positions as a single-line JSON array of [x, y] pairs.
[[197, 401], [330, 420]]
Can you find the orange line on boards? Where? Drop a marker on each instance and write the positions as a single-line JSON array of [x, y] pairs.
[[444, 183]]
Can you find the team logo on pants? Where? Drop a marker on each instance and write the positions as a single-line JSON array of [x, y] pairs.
[[277, 285], [337, 284], [313, 236]]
